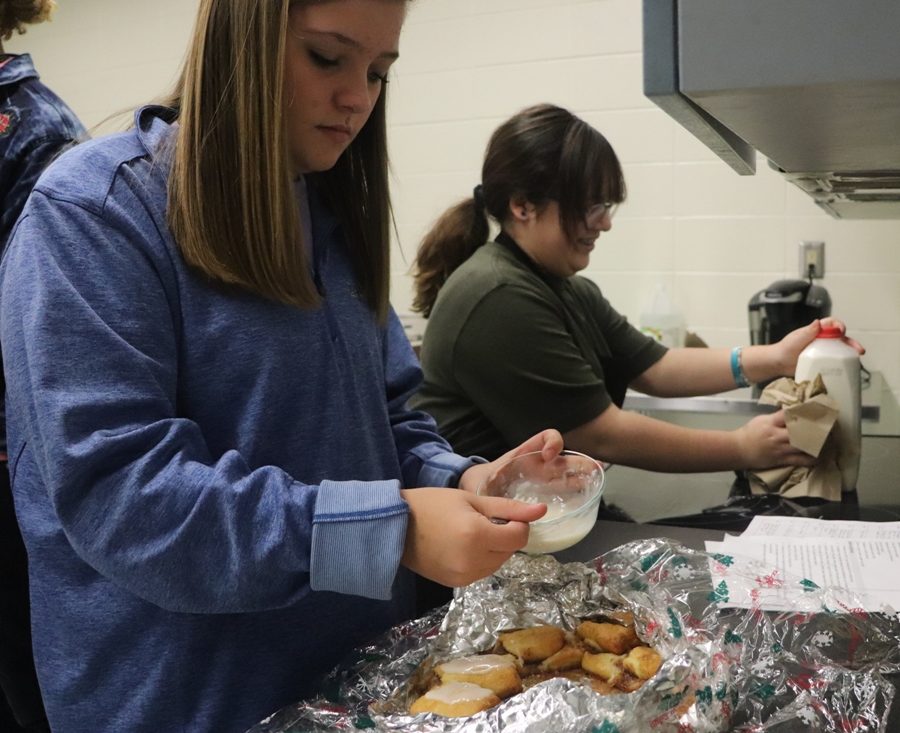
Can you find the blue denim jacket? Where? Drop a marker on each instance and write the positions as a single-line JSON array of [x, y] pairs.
[[35, 127]]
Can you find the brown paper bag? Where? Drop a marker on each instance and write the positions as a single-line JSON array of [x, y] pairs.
[[810, 415]]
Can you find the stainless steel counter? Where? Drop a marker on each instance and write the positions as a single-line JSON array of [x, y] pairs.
[[648, 495], [880, 412]]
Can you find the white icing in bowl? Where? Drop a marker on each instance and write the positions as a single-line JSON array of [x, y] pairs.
[[571, 486]]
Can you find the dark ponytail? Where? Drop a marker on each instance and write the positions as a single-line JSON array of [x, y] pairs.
[[454, 237], [544, 153]]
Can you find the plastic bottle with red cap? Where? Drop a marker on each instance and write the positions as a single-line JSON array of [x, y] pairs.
[[838, 363]]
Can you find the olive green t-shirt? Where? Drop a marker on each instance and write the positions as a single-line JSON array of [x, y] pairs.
[[510, 350]]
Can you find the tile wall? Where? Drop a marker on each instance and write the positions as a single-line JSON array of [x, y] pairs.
[[711, 236], [106, 57]]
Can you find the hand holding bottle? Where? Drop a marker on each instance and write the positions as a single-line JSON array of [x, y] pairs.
[[791, 345]]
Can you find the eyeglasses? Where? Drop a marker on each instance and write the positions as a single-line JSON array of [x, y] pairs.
[[595, 214]]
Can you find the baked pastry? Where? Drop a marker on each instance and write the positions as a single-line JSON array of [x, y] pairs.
[[607, 637], [498, 673], [608, 667], [643, 662], [454, 700], [534, 644], [607, 656], [629, 683], [569, 657], [602, 687]]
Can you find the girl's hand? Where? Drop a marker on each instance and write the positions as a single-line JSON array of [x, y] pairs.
[[790, 346], [549, 442], [764, 443], [452, 539]]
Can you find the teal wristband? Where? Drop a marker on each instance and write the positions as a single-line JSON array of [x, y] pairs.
[[737, 370]]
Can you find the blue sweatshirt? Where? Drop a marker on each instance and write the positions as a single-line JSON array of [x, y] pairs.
[[207, 482]]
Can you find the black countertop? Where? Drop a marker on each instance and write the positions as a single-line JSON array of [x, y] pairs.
[[607, 535]]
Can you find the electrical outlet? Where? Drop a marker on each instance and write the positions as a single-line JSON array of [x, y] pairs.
[[812, 260]]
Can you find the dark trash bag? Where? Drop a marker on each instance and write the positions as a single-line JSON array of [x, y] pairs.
[[741, 506]]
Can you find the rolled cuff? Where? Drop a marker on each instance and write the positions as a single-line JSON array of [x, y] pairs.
[[359, 530], [445, 469]]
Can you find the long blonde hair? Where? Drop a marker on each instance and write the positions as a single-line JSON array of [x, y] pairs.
[[231, 203]]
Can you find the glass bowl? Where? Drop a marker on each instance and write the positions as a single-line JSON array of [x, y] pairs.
[[570, 485]]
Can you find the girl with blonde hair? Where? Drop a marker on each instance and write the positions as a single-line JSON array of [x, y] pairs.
[[215, 468]]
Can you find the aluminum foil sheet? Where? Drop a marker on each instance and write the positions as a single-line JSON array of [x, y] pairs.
[[818, 667]]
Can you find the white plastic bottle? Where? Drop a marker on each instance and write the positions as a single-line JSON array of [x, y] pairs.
[[663, 321], [838, 363]]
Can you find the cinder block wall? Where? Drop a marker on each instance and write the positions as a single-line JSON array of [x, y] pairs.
[[711, 236]]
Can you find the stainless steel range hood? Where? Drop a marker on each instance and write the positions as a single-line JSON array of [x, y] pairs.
[[813, 85]]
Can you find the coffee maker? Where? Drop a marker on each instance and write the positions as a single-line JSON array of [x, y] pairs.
[[783, 306]]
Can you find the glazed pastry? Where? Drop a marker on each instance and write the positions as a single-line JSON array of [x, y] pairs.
[[498, 673], [454, 700], [608, 667], [534, 644], [607, 637], [643, 662], [474, 683], [569, 657]]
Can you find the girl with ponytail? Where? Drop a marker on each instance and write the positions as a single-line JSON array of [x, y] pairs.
[[517, 340]]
